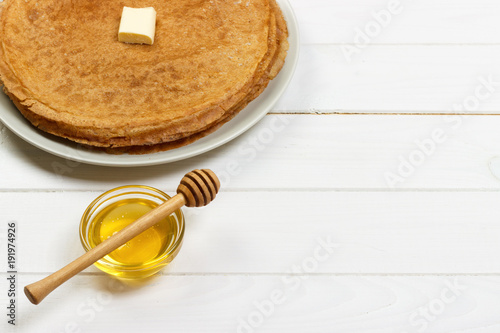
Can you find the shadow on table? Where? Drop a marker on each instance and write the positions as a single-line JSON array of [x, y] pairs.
[[62, 168]]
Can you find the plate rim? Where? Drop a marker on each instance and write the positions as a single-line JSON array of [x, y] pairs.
[[14, 121]]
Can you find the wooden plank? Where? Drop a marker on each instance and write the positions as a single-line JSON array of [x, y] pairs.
[[303, 152], [265, 304], [395, 79], [292, 231], [402, 22]]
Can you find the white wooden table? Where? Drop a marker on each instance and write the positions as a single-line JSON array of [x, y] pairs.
[[378, 201]]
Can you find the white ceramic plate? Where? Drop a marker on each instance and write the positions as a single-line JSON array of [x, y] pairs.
[[246, 118]]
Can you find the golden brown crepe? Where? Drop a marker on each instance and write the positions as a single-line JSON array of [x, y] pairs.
[[63, 67]]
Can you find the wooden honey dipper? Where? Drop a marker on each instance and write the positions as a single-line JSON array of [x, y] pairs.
[[197, 188]]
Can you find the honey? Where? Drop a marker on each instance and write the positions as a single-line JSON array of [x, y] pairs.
[[146, 253]]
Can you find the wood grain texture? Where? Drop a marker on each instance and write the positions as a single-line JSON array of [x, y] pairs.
[[417, 22], [350, 232], [231, 303], [287, 152], [393, 79]]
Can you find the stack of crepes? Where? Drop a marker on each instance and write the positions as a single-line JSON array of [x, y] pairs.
[[62, 65]]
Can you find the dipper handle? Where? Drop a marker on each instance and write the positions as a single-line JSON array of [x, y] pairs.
[[197, 188]]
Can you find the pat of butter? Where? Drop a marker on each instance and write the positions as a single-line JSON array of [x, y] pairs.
[[137, 25]]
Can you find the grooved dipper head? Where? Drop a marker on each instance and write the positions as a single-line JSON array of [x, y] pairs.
[[199, 187]]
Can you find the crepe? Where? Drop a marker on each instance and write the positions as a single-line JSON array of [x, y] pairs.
[[61, 64], [273, 68]]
